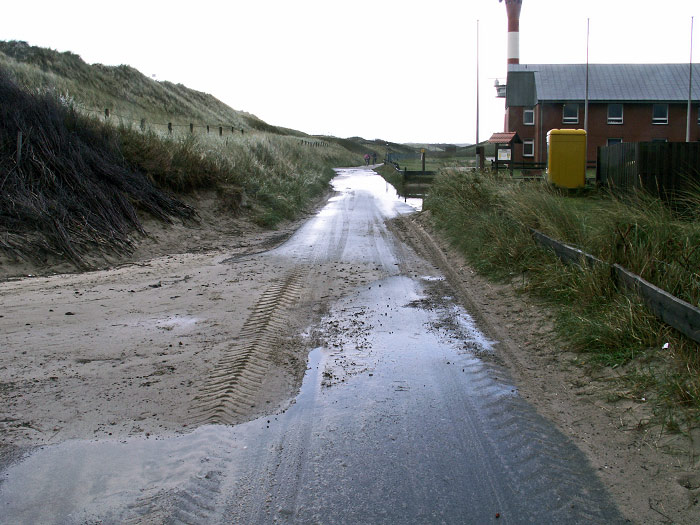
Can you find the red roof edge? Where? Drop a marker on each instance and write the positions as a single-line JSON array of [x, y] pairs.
[[505, 138]]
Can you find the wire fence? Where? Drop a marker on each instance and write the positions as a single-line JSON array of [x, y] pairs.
[[169, 127], [179, 128]]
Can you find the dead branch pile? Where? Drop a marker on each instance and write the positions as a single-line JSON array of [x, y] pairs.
[[71, 192]]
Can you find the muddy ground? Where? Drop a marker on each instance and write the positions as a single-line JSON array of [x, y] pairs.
[[137, 349]]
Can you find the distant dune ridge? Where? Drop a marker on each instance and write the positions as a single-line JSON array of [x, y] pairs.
[[105, 148], [125, 91]]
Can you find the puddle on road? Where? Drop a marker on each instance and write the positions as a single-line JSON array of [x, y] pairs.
[[351, 219], [375, 184], [176, 322], [373, 338]]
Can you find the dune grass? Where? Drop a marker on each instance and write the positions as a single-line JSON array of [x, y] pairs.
[[127, 93], [276, 173], [83, 178], [69, 190], [488, 218], [280, 175]]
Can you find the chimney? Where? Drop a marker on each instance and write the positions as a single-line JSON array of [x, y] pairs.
[[513, 9]]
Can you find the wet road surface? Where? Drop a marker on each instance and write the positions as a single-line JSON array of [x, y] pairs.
[[404, 415]]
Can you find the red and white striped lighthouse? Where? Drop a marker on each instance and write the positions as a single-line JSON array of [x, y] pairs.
[[513, 9]]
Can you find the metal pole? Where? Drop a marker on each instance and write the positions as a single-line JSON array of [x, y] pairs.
[[477, 82], [585, 107], [690, 83]]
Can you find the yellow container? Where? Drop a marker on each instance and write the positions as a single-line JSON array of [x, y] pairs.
[[566, 157]]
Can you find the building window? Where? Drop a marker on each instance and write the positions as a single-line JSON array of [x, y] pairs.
[[529, 116], [659, 140], [614, 113], [528, 148], [659, 114], [612, 142], [570, 114]]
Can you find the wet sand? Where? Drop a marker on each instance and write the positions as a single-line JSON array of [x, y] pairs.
[[141, 350]]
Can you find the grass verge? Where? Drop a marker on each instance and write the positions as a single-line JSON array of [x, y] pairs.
[[488, 217]]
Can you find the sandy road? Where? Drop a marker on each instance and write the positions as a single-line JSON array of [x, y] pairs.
[[134, 377], [163, 345]]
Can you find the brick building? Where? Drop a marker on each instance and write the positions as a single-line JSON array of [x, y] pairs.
[[627, 103]]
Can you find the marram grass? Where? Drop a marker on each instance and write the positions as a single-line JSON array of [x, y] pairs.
[[488, 217]]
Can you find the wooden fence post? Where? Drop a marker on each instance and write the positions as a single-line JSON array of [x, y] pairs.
[[143, 124], [106, 113], [19, 148], [191, 128], [170, 128], [221, 131], [207, 128]]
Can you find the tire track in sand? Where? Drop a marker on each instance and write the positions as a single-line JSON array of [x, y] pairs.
[[232, 388], [196, 499]]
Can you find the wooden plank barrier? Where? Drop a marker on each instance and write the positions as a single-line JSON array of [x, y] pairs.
[[673, 311], [565, 252]]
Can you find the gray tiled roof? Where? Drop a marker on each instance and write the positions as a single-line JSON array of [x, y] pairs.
[[607, 82]]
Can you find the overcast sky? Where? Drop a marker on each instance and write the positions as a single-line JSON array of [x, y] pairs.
[[399, 70]]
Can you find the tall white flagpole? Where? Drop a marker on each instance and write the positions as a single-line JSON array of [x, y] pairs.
[[690, 83], [477, 82], [585, 106]]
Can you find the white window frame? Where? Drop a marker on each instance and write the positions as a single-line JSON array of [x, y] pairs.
[[529, 111], [659, 120], [569, 120], [617, 140], [616, 120], [531, 143]]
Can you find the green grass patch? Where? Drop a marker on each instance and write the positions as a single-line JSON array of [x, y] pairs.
[[488, 218]]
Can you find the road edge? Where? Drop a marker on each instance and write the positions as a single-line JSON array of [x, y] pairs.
[[645, 470]]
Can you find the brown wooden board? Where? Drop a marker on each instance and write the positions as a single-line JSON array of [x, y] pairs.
[[675, 312], [566, 252]]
